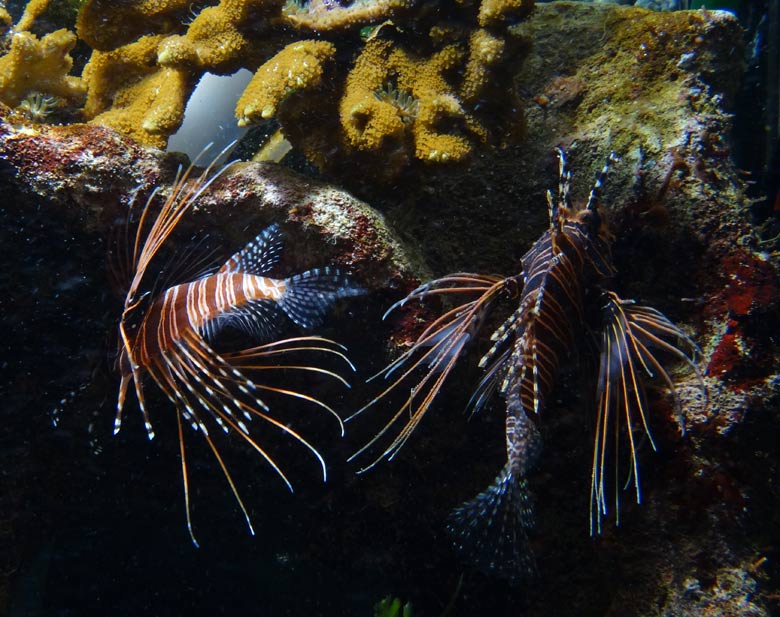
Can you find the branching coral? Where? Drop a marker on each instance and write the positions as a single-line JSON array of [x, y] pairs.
[[297, 67], [108, 24], [409, 97], [223, 38], [417, 89], [329, 15], [5, 19], [495, 12], [33, 10], [448, 87], [39, 65], [373, 123], [130, 93]]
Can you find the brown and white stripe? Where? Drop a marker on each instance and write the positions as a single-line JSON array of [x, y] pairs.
[[561, 286], [164, 338]]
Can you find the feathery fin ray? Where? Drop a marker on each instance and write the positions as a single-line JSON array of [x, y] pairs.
[[491, 530], [166, 337], [631, 336]]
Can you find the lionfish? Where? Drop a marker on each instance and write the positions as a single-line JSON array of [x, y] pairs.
[[167, 336], [564, 276]]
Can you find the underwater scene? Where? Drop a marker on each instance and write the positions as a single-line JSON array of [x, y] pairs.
[[390, 308]]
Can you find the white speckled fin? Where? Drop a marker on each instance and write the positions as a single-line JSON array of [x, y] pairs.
[[309, 295], [491, 531], [259, 255]]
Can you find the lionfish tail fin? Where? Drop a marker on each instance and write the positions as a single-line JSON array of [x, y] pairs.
[[309, 295], [491, 530]]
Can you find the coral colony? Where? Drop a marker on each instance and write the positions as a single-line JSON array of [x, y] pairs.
[[147, 59]]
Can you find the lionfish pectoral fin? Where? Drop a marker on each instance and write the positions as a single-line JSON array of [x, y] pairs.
[[309, 295], [186, 482], [259, 255], [427, 364], [449, 343], [490, 383], [491, 531], [632, 337], [124, 384], [621, 399]]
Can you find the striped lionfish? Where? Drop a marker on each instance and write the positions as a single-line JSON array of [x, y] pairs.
[[167, 336], [563, 277]]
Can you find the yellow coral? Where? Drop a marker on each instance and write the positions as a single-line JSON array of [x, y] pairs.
[[108, 24], [33, 10], [220, 39], [495, 12], [368, 120], [486, 50], [33, 65], [441, 129], [5, 22], [297, 67], [129, 93], [413, 88]]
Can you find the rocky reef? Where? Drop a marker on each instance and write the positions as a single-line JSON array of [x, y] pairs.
[[370, 91], [658, 89]]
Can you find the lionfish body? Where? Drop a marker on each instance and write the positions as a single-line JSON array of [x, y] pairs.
[[198, 306], [168, 338], [562, 275]]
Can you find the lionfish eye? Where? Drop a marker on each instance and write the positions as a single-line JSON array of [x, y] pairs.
[[591, 219], [512, 287]]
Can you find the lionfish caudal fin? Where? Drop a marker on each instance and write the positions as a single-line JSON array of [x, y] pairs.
[[433, 355], [310, 294], [490, 532], [632, 337]]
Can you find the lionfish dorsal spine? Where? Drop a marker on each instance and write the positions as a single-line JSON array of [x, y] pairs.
[[259, 255], [595, 191]]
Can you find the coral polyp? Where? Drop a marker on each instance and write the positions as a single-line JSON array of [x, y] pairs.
[[406, 106], [37, 106]]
